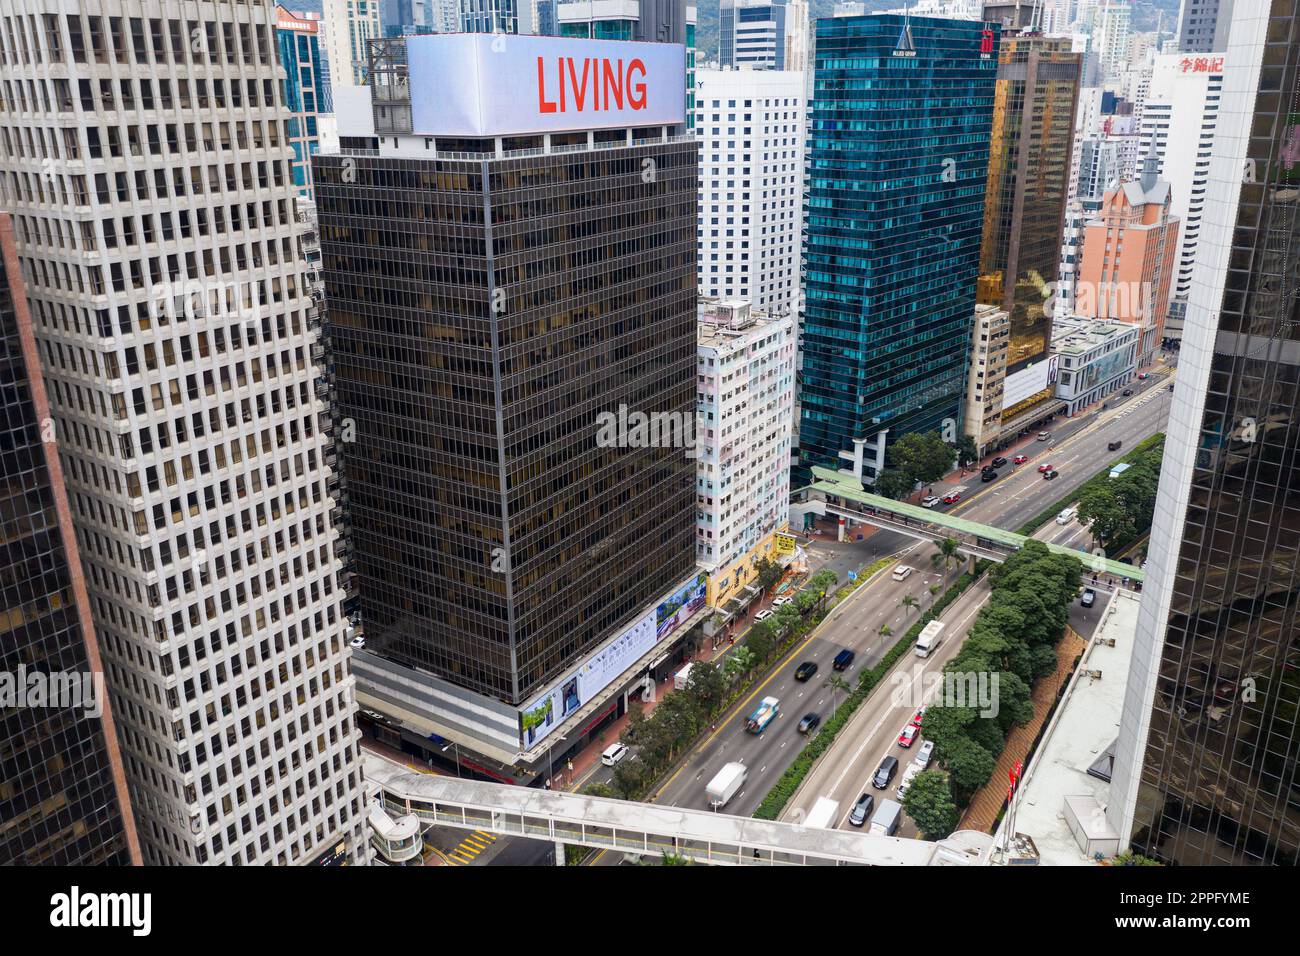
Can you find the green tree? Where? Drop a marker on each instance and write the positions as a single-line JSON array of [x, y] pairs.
[[598, 789], [893, 483], [909, 603], [929, 802], [761, 640], [769, 573], [821, 584], [837, 684], [675, 859], [886, 630], [629, 778], [949, 553], [967, 452], [923, 457], [740, 661], [708, 686], [970, 766]]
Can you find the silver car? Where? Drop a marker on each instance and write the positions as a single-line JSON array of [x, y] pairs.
[[922, 758]]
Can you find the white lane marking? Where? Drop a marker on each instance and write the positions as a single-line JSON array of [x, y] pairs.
[[876, 727]]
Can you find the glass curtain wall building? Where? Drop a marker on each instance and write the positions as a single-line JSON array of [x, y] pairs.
[[1206, 759], [63, 795], [1029, 178], [483, 314], [898, 163]]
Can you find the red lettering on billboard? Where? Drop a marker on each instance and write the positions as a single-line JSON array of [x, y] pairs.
[[592, 84], [986, 41]]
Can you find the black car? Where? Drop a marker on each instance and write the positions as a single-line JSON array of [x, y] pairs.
[[862, 810], [885, 773], [1128, 392], [998, 462], [809, 723], [805, 670], [1050, 474], [843, 660], [988, 476], [1089, 597]]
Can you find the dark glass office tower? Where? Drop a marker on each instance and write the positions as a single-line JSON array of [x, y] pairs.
[[898, 162], [1209, 748], [63, 796], [483, 313], [1028, 182]]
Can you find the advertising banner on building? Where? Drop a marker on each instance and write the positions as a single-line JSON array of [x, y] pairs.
[[481, 84], [1029, 381], [587, 680]]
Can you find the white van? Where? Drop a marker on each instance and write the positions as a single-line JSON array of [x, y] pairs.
[[1065, 517], [931, 637], [901, 572], [613, 754]]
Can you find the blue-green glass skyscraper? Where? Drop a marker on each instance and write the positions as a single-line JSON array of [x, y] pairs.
[[897, 163]]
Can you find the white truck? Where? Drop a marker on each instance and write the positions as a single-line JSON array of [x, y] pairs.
[[931, 637], [886, 820], [726, 783], [824, 813], [683, 677]]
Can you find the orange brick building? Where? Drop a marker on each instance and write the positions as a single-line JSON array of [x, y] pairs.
[[1128, 258]]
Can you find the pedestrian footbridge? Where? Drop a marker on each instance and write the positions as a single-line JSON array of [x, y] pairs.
[[845, 497], [646, 828]]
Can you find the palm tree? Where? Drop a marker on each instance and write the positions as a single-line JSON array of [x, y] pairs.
[[909, 602], [837, 683], [886, 630], [947, 553]]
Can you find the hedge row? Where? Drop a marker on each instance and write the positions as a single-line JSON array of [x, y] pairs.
[[1104, 475], [794, 775]]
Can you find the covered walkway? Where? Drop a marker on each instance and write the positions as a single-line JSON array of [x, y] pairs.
[[845, 496], [643, 828]]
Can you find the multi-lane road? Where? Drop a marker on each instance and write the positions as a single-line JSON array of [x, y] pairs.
[[1078, 449]]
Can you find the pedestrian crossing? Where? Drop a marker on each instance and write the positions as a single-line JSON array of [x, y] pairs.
[[469, 848]]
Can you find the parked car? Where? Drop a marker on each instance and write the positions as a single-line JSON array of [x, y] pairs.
[[1044, 436], [1050, 474], [1045, 466], [1143, 376], [988, 476], [763, 615], [1020, 459], [1089, 597], [809, 723], [908, 735], [918, 717], [885, 772], [358, 642], [843, 660], [781, 602], [805, 670], [862, 810], [998, 462], [1128, 392], [929, 501], [923, 753], [613, 754]]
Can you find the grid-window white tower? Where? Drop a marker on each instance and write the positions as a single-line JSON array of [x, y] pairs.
[[750, 124], [144, 156], [1178, 128]]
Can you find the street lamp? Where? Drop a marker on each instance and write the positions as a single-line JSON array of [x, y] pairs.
[[457, 754]]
